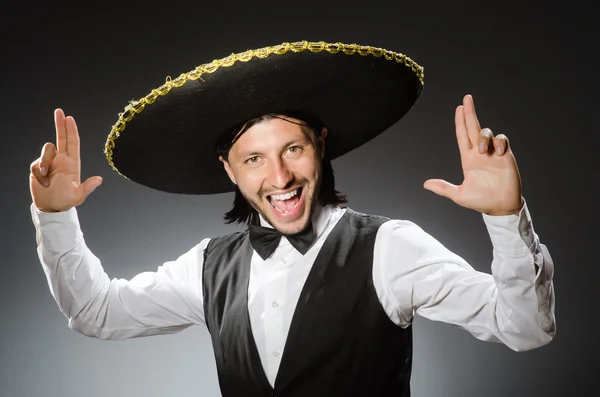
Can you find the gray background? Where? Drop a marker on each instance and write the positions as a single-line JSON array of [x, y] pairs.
[[530, 66]]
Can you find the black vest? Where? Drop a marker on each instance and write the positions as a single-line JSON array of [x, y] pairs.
[[340, 342]]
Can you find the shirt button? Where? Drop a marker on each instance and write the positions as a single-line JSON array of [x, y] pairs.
[[275, 304], [276, 354]]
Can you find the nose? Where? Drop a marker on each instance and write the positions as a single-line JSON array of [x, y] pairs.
[[279, 175]]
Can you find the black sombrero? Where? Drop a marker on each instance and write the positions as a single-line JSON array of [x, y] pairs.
[[167, 140]]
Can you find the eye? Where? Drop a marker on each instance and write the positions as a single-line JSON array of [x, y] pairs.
[[294, 149], [252, 160]]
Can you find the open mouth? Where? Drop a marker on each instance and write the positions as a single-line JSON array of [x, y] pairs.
[[286, 203]]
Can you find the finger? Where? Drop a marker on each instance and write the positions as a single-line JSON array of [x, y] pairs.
[[485, 141], [87, 187], [48, 153], [35, 171], [464, 143], [61, 130], [472, 123], [72, 138], [442, 188], [501, 144]]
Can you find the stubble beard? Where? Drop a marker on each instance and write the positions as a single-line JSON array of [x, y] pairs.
[[312, 203]]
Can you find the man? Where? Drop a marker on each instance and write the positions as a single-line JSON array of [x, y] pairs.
[[312, 298]]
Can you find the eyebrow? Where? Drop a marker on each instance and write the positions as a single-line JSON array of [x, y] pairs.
[[287, 144]]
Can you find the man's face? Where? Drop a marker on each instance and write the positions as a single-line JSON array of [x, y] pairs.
[[277, 167]]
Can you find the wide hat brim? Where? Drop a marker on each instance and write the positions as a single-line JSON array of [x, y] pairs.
[[167, 139]]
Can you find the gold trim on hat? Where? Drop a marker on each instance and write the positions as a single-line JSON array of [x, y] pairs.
[[135, 107]]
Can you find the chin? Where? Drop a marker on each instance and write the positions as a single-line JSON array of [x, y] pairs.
[[287, 227], [296, 221], [293, 228], [293, 221]]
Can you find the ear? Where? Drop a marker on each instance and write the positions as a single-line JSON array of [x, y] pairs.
[[322, 141], [228, 169]]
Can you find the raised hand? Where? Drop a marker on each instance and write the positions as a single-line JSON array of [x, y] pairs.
[[55, 179], [492, 184]]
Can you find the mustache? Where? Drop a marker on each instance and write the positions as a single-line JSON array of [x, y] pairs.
[[262, 193]]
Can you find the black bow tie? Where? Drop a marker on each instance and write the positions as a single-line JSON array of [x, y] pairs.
[[265, 240]]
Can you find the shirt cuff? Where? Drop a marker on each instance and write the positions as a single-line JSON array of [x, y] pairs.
[[512, 234], [56, 231]]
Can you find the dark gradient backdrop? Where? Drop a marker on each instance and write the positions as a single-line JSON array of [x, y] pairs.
[[530, 66]]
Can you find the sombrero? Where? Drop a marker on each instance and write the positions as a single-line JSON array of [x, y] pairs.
[[167, 139]]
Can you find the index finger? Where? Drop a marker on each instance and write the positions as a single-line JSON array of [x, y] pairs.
[[72, 138], [61, 131], [462, 136], [473, 126]]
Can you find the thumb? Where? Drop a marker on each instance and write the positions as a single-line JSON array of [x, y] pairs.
[[442, 188], [87, 187]]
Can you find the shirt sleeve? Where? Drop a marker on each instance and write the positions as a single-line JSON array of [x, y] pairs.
[[415, 273], [164, 301]]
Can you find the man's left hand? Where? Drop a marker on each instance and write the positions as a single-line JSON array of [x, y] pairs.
[[492, 184]]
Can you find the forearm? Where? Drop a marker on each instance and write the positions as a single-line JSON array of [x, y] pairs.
[[503, 307], [97, 306], [522, 270], [415, 273]]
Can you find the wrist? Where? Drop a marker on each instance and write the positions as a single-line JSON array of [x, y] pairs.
[[505, 212]]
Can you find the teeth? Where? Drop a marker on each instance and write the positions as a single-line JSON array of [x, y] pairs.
[[285, 196], [285, 212]]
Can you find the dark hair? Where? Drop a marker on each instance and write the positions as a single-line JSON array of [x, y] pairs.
[[242, 211]]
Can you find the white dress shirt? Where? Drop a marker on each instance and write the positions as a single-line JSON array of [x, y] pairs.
[[412, 273]]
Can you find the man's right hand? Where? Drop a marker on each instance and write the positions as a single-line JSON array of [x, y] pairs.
[[55, 179]]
